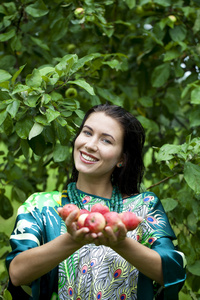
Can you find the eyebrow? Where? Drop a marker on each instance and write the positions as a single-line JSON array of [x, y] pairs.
[[105, 134]]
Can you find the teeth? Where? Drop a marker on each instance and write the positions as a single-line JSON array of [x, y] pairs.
[[88, 157]]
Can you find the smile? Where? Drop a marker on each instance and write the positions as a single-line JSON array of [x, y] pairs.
[[88, 158]]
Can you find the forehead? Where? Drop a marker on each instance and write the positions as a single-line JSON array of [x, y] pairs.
[[102, 122]]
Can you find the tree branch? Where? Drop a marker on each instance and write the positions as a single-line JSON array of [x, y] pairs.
[[163, 180]]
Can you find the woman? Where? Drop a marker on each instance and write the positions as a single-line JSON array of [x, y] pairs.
[[51, 256]]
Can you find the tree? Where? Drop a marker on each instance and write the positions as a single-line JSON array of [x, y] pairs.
[[58, 58]]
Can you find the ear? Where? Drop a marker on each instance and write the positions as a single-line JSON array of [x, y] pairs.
[[120, 164]]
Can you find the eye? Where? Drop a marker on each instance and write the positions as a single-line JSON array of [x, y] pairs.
[[87, 132], [106, 141]]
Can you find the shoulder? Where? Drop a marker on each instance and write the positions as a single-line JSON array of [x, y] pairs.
[[40, 200]]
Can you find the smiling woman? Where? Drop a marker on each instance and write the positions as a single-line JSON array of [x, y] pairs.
[[78, 264]]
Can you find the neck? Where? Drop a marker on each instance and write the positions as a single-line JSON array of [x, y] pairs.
[[101, 188]]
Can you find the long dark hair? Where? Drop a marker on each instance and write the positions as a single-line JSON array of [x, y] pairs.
[[128, 178]]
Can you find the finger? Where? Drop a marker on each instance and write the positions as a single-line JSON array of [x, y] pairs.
[[71, 218]]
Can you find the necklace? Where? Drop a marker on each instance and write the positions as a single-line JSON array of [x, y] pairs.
[[116, 202]]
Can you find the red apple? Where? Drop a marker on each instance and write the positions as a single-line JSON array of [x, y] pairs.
[[81, 220], [84, 211], [95, 222], [67, 209], [130, 220], [113, 220], [98, 207]]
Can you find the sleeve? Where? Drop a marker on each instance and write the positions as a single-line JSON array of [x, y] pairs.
[[173, 261], [27, 234]]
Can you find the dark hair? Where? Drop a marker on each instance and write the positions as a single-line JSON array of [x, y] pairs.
[[128, 178]]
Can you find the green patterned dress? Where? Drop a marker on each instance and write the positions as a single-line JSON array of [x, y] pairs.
[[97, 272]]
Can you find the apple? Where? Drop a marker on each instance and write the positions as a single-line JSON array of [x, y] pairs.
[[130, 220], [172, 18], [95, 222], [71, 93], [113, 220], [67, 209], [81, 220], [84, 211], [79, 12], [98, 207]]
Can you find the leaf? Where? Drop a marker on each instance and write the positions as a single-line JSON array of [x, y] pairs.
[[169, 204], [52, 114], [13, 107], [195, 268], [4, 75], [3, 115], [130, 3], [40, 43], [178, 33], [35, 130], [167, 152], [36, 10], [23, 127], [160, 75], [82, 83], [148, 124], [192, 176], [171, 54], [19, 88], [17, 74], [82, 61], [60, 153], [34, 79], [7, 36], [66, 64], [195, 96]]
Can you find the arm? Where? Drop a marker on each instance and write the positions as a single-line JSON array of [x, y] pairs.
[[146, 260], [44, 258]]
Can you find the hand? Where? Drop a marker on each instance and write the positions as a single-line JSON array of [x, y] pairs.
[[110, 238], [81, 236]]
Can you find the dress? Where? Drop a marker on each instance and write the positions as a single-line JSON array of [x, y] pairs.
[[97, 272]]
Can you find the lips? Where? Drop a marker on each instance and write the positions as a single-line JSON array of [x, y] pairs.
[[88, 158]]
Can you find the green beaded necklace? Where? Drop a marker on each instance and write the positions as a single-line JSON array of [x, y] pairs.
[[116, 202]]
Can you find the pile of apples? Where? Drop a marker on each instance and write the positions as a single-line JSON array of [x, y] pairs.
[[99, 217]]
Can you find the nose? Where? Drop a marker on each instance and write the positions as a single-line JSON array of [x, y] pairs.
[[91, 145]]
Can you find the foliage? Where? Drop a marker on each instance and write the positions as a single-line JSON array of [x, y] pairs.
[[57, 61]]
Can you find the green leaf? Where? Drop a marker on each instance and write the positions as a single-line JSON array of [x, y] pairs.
[[7, 36], [34, 79], [82, 83], [66, 63], [6, 209], [23, 127], [146, 101], [60, 153], [4, 75], [167, 152], [195, 268], [36, 10], [52, 114], [192, 176], [169, 204], [195, 96], [148, 124], [17, 74], [82, 61], [178, 33], [19, 88], [13, 107], [3, 115], [171, 54], [35, 130], [40, 43], [130, 3], [160, 75]]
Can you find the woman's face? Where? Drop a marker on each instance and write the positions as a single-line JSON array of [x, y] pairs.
[[99, 146]]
